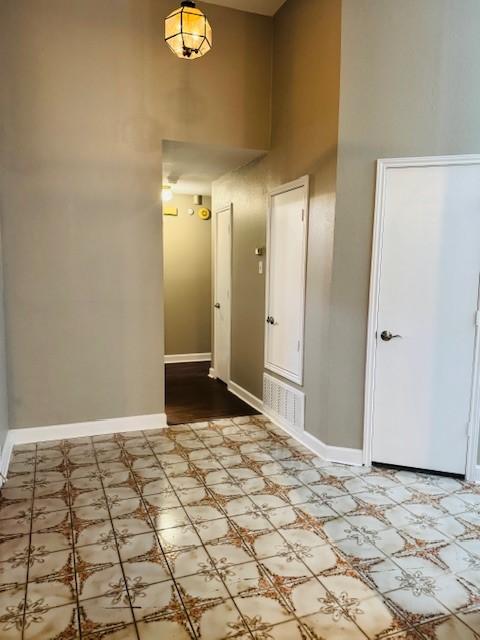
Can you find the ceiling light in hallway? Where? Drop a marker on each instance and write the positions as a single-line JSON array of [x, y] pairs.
[[188, 32], [167, 193]]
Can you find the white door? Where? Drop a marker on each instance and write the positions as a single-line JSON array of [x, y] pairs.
[[286, 268], [222, 302], [428, 288]]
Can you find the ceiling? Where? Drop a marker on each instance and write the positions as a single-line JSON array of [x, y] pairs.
[[265, 7], [191, 168]]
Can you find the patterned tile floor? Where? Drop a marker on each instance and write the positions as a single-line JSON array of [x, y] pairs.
[[230, 529]]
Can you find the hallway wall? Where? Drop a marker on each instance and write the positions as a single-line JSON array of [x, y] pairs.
[[3, 360], [187, 256], [409, 87], [89, 90], [306, 83]]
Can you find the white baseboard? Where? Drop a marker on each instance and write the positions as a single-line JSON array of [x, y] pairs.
[[476, 473], [188, 357], [77, 430], [343, 455], [5, 459], [212, 374], [246, 396]]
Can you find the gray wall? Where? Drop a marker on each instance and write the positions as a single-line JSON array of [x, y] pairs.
[[409, 87], [304, 136], [89, 90], [187, 255], [3, 361]]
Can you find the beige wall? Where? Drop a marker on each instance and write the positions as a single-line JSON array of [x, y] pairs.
[[409, 87], [3, 359], [187, 259], [304, 137], [89, 90]]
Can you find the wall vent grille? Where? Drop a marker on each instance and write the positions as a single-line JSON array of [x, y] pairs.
[[284, 402]]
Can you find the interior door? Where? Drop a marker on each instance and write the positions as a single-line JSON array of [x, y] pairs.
[[426, 324], [222, 302], [286, 267]]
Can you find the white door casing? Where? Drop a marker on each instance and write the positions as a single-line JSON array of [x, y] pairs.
[[287, 230], [222, 259], [422, 390]]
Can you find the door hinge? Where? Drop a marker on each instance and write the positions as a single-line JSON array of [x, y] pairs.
[[477, 318], [303, 215]]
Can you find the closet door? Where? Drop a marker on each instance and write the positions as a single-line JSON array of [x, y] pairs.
[[287, 226]]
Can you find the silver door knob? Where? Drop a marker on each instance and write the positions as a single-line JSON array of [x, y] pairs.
[[217, 305], [386, 336]]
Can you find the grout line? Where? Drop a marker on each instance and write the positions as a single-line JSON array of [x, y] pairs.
[[260, 561], [32, 510], [141, 497], [116, 544], [209, 489], [201, 541], [275, 529], [70, 501]]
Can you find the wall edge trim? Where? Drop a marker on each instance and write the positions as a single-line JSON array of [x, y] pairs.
[[188, 357], [343, 455], [80, 429], [245, 395]]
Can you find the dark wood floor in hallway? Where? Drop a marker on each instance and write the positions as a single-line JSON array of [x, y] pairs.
[[191, 396]]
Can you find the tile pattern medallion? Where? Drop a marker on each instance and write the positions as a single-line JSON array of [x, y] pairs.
[[230, 529]]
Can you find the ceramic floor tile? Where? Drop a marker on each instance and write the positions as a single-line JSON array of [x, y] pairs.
[[372, 614], [178, 539], [231, 529], [14, 610], [57, 565], [449, 628], [96, 555], [138, 546], [260, 612], [61, 622], [110, 614]]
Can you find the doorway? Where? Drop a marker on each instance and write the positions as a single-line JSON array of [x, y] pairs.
[[422, 384], [287, 232], [197, 283], [222, 274]]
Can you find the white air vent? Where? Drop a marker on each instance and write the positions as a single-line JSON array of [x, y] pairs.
[[283, 402]]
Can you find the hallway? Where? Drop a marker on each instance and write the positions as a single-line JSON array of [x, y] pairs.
[[230, 529], [191, 396]]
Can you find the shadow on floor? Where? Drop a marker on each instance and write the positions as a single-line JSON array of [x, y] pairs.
[[191, 396]]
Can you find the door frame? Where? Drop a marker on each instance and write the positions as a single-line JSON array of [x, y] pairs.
[[472, 470], [300, 183], [229, 209]]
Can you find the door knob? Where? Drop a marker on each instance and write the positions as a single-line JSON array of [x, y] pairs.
[[386, 336], [217, 305]]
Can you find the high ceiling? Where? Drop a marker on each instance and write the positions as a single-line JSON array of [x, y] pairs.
[[191, 168], [265, 7]]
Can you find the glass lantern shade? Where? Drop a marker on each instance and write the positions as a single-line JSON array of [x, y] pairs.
[[188, 32]]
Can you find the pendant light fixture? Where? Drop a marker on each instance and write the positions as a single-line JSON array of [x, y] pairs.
[[188, 32]]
